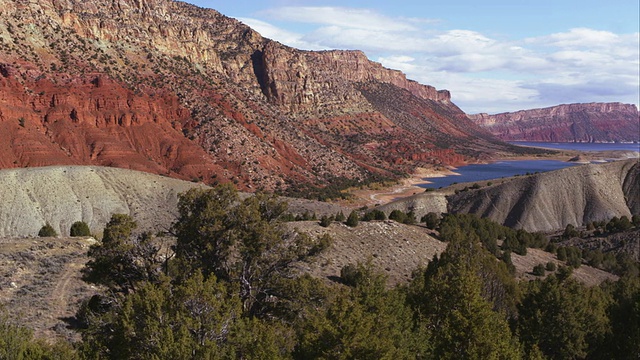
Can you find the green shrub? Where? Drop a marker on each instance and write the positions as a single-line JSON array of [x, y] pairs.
[[374, 214], [431, 220], [47, 231], [325, 220], [538, 270], [401, 217], [353, 219], [551, 266], [80, 228]]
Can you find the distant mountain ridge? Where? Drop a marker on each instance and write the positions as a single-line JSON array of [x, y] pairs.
[[169, 88], [591, 122]]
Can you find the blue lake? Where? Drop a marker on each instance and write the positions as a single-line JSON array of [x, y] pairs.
[[496, 170]]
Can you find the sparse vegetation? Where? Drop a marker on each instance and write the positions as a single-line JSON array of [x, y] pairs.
[[80, 228], [47, 231], [230, 289]]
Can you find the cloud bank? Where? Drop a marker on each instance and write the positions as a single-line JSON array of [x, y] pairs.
[[484, 74]]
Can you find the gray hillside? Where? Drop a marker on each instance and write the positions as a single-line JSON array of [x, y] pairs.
[[542, 202], [551, 200], [62, 195]]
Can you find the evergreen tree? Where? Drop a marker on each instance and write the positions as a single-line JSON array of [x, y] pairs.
[[365, 321], [463, 323], [565, 320], [80, 228], [122, 262], [431, 220], [352, 220], [241, 242]]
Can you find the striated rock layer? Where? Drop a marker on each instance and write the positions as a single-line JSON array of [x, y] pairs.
[[170, 88], [593, 122], [62, 195]]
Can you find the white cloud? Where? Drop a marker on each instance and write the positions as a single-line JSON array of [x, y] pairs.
[[342, 17], [484, 74], [578, 38], [286, 37]]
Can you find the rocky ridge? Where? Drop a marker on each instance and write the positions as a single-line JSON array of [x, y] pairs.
[[592, 122], [169, 88]]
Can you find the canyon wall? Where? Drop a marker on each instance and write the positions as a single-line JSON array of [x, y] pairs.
[[592, 122], [169, 88]]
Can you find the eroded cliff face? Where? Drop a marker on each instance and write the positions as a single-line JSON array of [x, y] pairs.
[[593, 122], [170, 88], [304, 80]]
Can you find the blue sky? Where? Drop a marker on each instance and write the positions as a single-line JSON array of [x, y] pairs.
[[493, 55]]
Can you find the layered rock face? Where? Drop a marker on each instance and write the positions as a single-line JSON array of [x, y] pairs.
[[173, 89], [593, 122], [62, 195]]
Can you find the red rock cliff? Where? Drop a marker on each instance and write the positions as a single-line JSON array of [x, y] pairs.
[[167, 87], [593, 122]]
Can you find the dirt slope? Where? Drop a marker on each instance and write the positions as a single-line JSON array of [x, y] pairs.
[[552, 200], [393, 248]]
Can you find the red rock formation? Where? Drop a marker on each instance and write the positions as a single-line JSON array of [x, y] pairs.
[[593, 122], [93, 120], [171, 88]]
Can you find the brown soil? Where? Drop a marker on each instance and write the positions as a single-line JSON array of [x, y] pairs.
[[40, 282]]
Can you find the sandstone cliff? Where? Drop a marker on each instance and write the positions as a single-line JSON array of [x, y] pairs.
[[170, 88], [593, 122]]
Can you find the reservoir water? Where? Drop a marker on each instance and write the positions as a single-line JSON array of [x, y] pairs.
[[496, 170], [499, 169]]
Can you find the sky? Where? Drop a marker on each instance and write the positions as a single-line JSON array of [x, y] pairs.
[[493, 55]]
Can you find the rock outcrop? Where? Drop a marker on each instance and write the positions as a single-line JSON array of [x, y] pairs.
[[552, 200], [593, 122], [169, 88]]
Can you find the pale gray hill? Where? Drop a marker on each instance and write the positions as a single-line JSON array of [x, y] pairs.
[[541, 202], [62, 195], [552, 200]]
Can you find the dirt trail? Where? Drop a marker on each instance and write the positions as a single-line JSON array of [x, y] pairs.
[[61, 292]]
